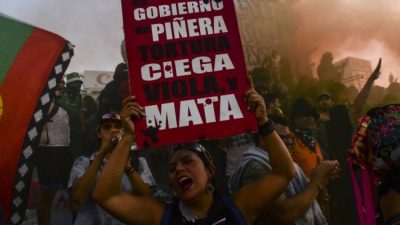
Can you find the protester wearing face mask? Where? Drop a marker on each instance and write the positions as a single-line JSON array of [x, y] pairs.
[[71, 101], [307, 152]]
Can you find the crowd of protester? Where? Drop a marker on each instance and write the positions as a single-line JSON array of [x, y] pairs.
[[294, 170]]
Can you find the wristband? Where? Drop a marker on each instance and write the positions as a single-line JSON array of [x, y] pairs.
[[130, 171], [267, 128]]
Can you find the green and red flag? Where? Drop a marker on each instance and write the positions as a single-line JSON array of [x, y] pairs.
[[32, 61]]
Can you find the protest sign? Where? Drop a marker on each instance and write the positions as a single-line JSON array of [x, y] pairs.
[[187, 69]]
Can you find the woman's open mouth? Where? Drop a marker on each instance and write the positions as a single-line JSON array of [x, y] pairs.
[[185, 182]]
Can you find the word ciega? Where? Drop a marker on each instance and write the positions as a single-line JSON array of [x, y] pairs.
[[176, 9], [184, 67]]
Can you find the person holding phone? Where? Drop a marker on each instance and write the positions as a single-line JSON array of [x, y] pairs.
[[85, 171]]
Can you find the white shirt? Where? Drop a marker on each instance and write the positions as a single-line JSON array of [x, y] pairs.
[[92, 214], [56, 131]]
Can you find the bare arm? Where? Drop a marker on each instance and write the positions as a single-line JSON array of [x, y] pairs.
[[252, 199], [362, 97], [82, 188], [287, 209], [139, 186], [128, 208]]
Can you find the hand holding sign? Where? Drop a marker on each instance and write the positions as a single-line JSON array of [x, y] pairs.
[[256, 105], [131, 110]]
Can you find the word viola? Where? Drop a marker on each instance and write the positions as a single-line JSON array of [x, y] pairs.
[[184, 88]]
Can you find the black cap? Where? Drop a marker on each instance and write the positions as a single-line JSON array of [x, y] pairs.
[[301, 107], [109, 117], [324, 94]]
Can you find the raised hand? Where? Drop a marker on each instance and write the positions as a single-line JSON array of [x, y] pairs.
[[376, 73], [131, 110], [108, 141], [256, 105], [325, 172], [106, 146]]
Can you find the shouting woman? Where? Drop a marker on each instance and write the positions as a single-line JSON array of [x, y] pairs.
[[191, 174]]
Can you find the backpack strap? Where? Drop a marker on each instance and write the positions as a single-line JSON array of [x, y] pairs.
[[53, 111], [233, 209], [168, 214]]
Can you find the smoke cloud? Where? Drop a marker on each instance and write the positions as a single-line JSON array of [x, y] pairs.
[[366, 29]]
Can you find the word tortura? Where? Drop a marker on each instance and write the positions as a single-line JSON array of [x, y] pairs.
[[183, 48], [176, 9], [180, 28], [165, 116], [184, 67]]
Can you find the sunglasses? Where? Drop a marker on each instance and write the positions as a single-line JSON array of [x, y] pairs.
[[109, 126]]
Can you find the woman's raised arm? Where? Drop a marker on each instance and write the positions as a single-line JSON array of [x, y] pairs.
[[107, 193], [253, 198]]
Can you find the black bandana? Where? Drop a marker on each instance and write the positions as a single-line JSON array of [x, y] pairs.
[[307, 137]]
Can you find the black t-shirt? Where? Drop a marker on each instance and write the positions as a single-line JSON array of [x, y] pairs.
[[223, 212]]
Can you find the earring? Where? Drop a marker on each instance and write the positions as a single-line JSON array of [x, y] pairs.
[[210, 188]]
